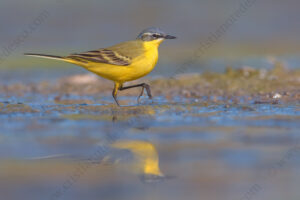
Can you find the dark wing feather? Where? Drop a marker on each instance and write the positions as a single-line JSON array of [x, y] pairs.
[[102, 56]]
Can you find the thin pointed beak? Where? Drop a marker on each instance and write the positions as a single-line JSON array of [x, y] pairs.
[[169, 37]]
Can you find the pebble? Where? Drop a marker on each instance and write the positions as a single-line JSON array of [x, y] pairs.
[[277, 96]]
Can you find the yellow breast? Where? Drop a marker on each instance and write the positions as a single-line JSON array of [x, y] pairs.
[[144, 64], [141, 65]]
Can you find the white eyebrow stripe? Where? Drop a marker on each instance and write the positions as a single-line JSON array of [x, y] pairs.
[[151, 34]]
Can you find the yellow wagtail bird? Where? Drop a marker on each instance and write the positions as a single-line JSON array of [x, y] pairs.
[[123, 62]]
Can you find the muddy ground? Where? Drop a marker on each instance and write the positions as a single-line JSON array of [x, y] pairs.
[[245, 85], [231, 135]]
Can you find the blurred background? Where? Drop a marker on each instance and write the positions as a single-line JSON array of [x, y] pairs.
[[266, 30]]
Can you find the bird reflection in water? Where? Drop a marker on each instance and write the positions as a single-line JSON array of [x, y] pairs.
[[142, 156], [146, 159]]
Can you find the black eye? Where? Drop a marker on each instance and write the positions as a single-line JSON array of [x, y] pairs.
[[155, 35]]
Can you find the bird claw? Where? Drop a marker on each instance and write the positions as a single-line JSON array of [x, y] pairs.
[[139, 99], [141, 94]]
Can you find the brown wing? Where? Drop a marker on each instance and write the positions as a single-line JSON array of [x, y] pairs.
[[102, 56]]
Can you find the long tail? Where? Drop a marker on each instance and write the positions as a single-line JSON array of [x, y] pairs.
[[45, 56], [68, 59]]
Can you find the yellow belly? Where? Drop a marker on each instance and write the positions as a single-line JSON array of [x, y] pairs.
[[140, 66]]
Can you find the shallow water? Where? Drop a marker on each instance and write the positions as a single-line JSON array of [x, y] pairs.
[[209, 136], [100, 151]]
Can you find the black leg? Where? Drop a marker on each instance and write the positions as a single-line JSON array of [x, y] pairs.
[[143, 85]]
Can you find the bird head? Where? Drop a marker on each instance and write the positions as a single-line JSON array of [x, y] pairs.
[[154, 34]]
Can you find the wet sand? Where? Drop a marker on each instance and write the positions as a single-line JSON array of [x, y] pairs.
[[231, 135]]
